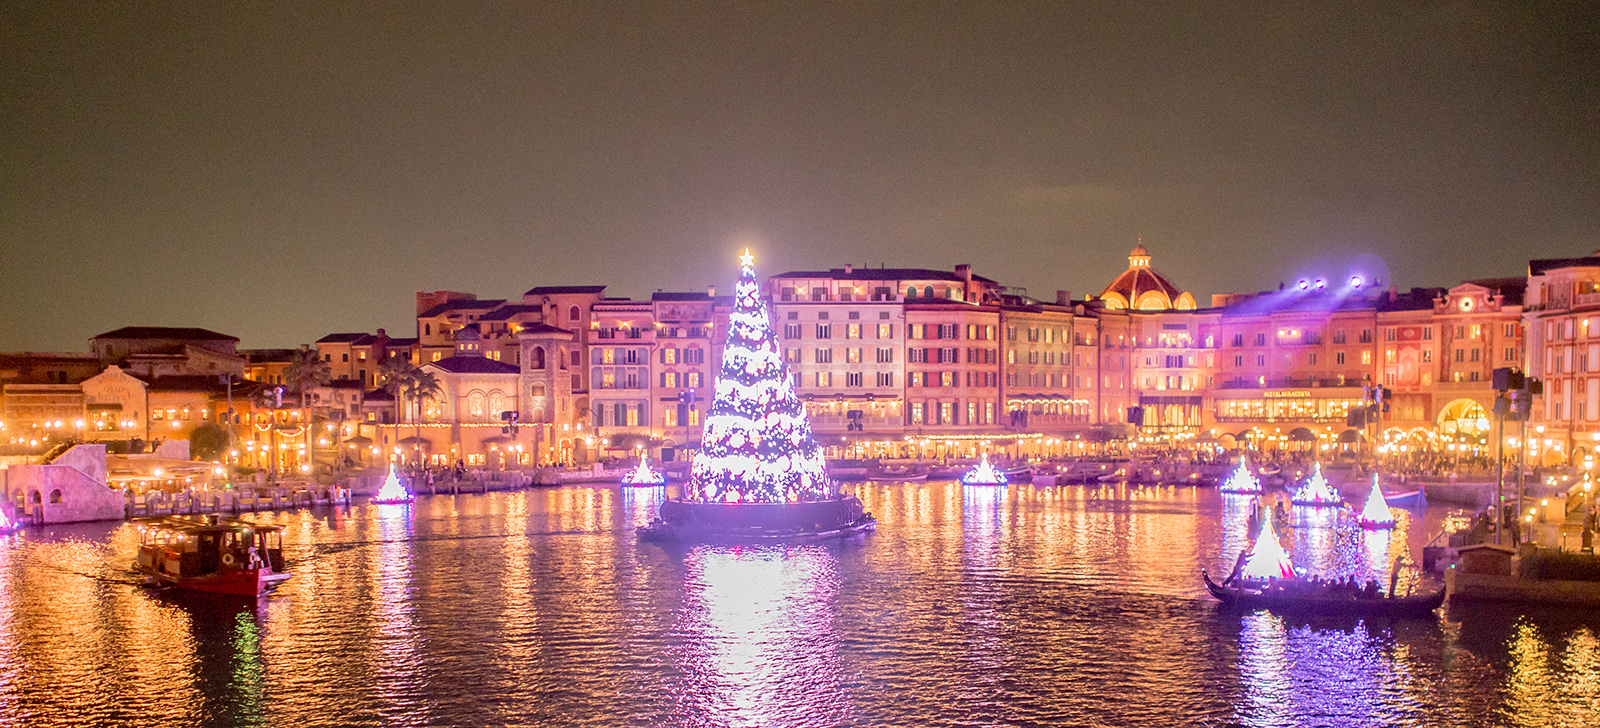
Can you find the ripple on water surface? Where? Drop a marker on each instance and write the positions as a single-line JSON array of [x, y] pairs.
[[970, 606]]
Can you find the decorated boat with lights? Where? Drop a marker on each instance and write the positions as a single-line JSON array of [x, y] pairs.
[[213, 554], [984, 474], [1241, 481], [643, 476], [759, 475], [1315, 600], [1316, 492], [1375, 514], [392, 492]]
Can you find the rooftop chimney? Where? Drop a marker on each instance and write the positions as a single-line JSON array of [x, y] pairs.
[[711, 290], [1063, 298], [848, 267], [965, 271]]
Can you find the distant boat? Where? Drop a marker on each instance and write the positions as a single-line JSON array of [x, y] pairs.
[[1316, 492], [984, 474], [643, 476], [906, 474], [392, 492], [1409, 500], [1241, 482], [1375, 514]]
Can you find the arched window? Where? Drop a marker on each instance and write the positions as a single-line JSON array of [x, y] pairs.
[[927, 291], [911, 291], [55, 496], [497, 405], [475, 406], [573, 313], [538, 357]]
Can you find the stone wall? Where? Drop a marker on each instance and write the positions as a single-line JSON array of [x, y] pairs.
[[71, 489]]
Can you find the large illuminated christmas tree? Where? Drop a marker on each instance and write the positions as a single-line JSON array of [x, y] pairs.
[[757, 446]]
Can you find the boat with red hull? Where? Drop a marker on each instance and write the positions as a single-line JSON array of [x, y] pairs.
[[213, 554]]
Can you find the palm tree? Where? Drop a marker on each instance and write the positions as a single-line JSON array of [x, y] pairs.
[[307, 370], [421, 385], [392, 378]]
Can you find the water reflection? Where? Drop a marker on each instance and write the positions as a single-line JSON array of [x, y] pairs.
[[1301, 674], [759, 643], [396, 663]]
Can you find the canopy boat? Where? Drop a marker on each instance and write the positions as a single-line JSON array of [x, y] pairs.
[[1323, 601], [1241, 482], [1316, 492], [392, 491], [644, 476], [1021, 474], [1410, 500], [984, 474], [215, 554], [1375, 514]]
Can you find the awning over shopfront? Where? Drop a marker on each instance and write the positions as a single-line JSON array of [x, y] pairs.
[[1302, 434]]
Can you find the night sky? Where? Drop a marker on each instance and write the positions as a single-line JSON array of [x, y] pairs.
[[279, 171]]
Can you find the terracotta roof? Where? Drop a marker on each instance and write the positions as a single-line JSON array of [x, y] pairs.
[[1137, 281], [676, 296], [544, 329], [505, 312], [340, 338], [475, 365], [559, 290], [164, 332], [461, 304], [881, 274], [1538, 267]]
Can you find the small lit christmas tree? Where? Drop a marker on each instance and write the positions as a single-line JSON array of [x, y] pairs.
[[1316, 491], [1268, 558], [757, 446], [1375, 514]]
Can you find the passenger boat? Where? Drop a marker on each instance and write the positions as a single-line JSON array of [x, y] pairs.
[[212, 553], [392, 492], [984, 474], [643, 476], [1257, 596]]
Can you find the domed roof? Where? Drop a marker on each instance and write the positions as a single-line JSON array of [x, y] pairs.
[[1134, 288]]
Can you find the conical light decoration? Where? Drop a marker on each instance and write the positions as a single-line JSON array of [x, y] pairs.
[[1376, 512], [984, 474], [643, 475], [757, 446], [392, 491], [1242, 480], [1316, 490], [1268, 557]]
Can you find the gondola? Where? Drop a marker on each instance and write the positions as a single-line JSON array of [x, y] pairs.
[[1421, 605]]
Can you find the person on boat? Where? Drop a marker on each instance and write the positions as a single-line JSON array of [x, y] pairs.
[[1238, 567]]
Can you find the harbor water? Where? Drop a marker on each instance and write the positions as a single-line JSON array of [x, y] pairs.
[[971, 606]]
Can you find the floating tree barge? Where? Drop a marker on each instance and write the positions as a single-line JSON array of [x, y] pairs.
[[759, 475]]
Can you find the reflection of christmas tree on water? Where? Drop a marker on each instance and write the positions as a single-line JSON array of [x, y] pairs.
[[757, 446]]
